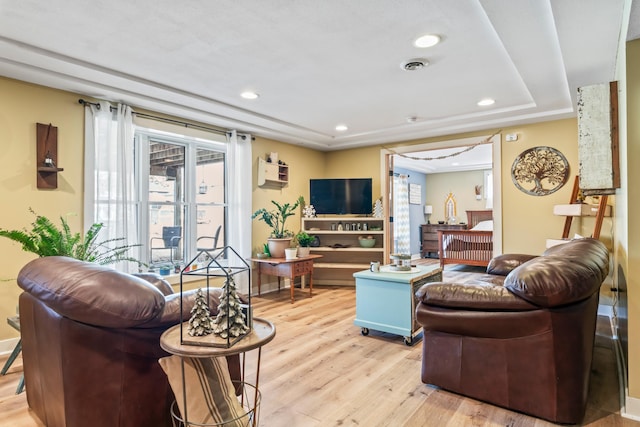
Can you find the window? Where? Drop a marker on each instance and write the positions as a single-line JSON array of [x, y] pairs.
[[183, 198], [488, 188]]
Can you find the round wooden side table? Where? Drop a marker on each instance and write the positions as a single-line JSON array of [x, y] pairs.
[[261, 333]]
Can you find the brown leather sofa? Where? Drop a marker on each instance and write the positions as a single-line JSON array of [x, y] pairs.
[[520, 336], [91, 344]]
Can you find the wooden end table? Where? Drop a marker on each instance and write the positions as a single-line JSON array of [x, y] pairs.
[[291, 268]]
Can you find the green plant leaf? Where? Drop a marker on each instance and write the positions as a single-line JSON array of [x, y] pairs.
[[47, 239]]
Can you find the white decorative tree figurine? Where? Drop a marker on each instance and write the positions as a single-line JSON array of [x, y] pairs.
[[377, 209], [230, 320], [201, 322]]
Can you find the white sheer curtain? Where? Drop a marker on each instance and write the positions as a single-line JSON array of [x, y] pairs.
[[110, 176], [239, 215], [401, 222]]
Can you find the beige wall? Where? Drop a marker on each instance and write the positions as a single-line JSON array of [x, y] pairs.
[[528, 220], [303, 163], [629, 258], [462, 185], [356, 163], [22, 105]]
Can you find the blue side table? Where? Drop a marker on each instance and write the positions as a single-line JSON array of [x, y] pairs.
[[386, 302]]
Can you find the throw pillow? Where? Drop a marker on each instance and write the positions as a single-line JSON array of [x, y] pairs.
[[210, 393]]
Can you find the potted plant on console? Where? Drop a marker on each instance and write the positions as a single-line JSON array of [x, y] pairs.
[[304, 243], [280, 237]]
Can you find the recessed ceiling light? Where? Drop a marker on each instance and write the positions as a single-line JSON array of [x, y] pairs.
[[486, 101], [455, 164], [249, 95], [341, 128], [427, 40]]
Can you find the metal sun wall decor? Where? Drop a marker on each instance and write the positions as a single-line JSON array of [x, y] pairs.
[[539, 171]]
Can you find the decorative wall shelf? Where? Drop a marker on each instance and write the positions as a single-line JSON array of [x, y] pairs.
[[272, 173], [579, 209], [47, 156], [574, 209]]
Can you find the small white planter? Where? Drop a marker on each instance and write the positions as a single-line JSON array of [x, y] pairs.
[[291, 253], [303, 251]]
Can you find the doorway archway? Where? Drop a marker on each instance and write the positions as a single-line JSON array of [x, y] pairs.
[[387, 168]]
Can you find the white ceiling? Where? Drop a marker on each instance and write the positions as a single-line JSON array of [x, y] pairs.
[[316, 64]]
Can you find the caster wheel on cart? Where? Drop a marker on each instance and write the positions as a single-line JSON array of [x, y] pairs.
[[364, 331], [408, 341]]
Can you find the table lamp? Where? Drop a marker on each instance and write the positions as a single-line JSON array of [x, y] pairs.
[[428, 210]]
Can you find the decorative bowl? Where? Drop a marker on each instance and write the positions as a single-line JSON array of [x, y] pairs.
[[367, 242]]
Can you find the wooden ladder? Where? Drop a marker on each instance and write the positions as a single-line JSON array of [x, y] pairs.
[[602, 206]]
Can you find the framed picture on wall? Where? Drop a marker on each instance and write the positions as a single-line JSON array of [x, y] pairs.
[[415, 194]]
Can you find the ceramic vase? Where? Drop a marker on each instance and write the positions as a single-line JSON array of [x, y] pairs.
[[303, 251], [277, 246]]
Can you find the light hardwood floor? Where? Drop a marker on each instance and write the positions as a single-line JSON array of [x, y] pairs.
[[320, 371]]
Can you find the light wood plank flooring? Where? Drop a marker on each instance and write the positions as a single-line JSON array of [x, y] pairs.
[[320, 371]]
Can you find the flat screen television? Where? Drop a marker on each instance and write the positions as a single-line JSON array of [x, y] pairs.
[[346, 196]]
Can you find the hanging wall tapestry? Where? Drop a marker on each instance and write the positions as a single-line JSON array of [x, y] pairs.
[[539, 171]]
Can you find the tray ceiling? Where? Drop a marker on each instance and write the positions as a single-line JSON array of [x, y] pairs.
[[317, 64]]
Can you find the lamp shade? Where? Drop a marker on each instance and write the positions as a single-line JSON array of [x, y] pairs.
[[428, 209]]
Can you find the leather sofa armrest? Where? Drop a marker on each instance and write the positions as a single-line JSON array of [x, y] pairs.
[[551, 281], [471, 296], [157, 281], [504, 264], [170, 315], [91, 293]]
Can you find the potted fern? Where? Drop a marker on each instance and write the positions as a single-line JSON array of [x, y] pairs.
[[47, 239], [280, 237]]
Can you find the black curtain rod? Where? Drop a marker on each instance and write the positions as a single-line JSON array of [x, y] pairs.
[[163, 119]]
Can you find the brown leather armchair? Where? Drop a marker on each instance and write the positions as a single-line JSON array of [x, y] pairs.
[[91, 343], [520, 336]]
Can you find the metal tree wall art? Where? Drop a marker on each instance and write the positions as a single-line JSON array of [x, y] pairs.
[[539, 171], [230, 321]]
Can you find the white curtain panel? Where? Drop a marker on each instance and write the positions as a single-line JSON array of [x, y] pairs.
[[110, 176], [401, 223], [239, 216]]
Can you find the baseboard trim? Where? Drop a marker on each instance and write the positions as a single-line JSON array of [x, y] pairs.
[[631, 409], [7, 346]]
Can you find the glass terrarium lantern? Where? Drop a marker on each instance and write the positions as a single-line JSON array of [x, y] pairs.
[[228, 271]]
